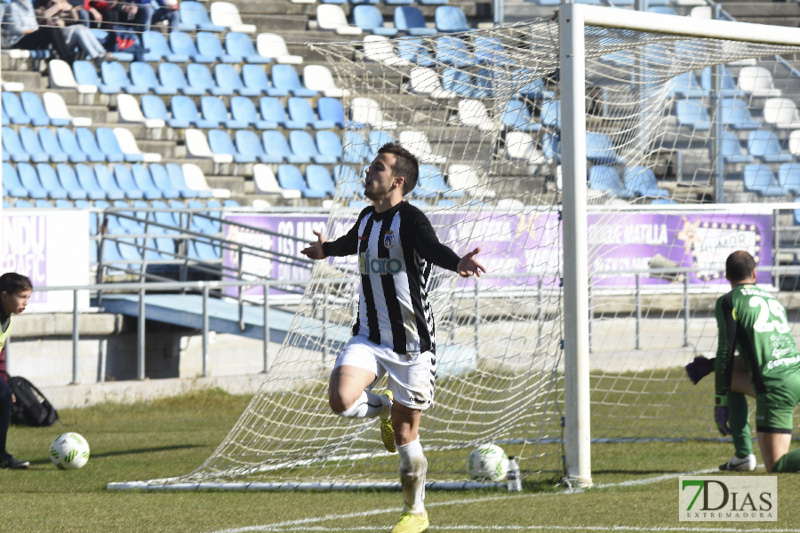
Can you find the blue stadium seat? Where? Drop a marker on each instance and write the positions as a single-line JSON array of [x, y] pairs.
[[272, 110], [432, 184], [194, 16], [347, 181], [398, 2], [247, 142], [290, 177], [729, 87], [244, 110], [208, 44], [276, 145], [241, 45], [641, 181], [133, 190], [143, 75], [606, 179], [764, 144], [410, 20], [303, 145], [200, 77], [450, 19], [185, 111], [356, 148], [153, 188], [49, 180], [484, 83], [220, 143], [29, 179], [789, 178], [760, 179], [731, 149], [214, 110], [453, 52], [518, 116], [693, 114], [551, 113], [183, 44], [49, 141], [686, 85], [433, 2], [85, 73], [331, 110], [600, 149], [70, 144], [108, 143], [154, 107], [370, 19], [535, 89], [300, 110], [286, 77], [12, 106], [255, 77], [413, 49], [736, 113], [178, 181], [87, 177], [319, 180], [376, 139], [11, 184], [32, 146], [229, 79], [115, 75], [490, 51], [459, 81], [157, 48], [172, 76], [69, 182], [329, 144], [34, 108]]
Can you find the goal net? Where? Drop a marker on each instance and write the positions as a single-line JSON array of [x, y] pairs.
[[483, 113]]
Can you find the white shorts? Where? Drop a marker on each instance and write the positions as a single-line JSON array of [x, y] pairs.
[[411, 377]]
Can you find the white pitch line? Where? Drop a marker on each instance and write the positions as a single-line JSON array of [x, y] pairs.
[[305, 523]]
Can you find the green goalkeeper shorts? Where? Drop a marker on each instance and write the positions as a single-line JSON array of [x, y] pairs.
[[774, 408]]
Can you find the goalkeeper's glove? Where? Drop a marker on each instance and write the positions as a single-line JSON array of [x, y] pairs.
[[721, 413], [699, 368]]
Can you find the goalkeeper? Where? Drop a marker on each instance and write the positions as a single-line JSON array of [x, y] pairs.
[[754, 322]]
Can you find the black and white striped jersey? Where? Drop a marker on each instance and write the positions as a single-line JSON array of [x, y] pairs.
[[395, 250]]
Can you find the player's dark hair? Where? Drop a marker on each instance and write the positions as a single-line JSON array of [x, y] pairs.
[[14, 283], [405, 165], [739, 266]]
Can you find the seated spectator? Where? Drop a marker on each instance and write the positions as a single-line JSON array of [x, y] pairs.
[[115, 12], [77, 35], [23, 30], [150, 14], [83, 11]]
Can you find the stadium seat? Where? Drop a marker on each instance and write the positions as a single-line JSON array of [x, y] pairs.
[[366, 111], [520, 146], [61, 76], [489, 50], [241, 46], [789, 178], [115, 75], [600, 149], [194, 17], [128, 111], [764, 144], [376, 139], [143, 75], [731, 149], [465, 178], [370, 19], [272, 46], [86, 75], [300, 111], [228, 79], [781, 113], [728, 83], [517, 115], [29, 179], [331, 109], [450, 19], [220, 143], [303, 145], [686, 85], [410, 20], [551, 113], [290, 178], [329, 145], [157, 49], [71, 145], [276, 145], [13, 146], [536, 89], [398, 2], [12, 108], [154, 109], [432, 2], [33, 107], [57, 109], [355, 148], [68, 179], [458, 81], [243, 110], [793, 143], [88, 178], [199, 76], [453, 52], [473, 113], [319, 180], [285, 77], [195, 180], [332, 18], [185, 114], [418, 144], [51, 145], [760, 179], [348, 183], [693, 114], [424, 80], [432, 184], [255, 77], [414, 50], [214, 110], [248, 143], [127, 182], [227, 15], [91, 147], [266, 183], [272, 110], [170, 178], [380, 49], [641, 181], [183, 44], [606, 180], [484, 84], [208, 44], [757, 81], [171, 75], [33, 147], [11, 184], [121, 140], [319, 78]]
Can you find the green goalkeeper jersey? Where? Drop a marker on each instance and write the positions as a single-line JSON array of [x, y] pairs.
[[753, 322]]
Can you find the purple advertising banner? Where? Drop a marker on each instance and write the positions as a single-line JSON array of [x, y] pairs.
[[526, 249]]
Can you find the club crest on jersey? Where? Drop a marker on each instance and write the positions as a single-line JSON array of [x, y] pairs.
[[388, 239]]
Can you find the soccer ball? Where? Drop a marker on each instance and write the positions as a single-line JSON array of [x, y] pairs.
[[69, 451], [488, 461]]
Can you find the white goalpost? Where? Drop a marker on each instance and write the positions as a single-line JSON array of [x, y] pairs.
[[559, 147]]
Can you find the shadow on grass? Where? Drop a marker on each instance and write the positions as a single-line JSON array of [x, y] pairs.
[[132, 452]]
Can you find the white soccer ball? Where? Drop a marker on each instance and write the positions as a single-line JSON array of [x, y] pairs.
[[69, 451], [488, 461]]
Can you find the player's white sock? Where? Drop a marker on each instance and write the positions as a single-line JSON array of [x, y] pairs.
[[413, 467], [368, 405]]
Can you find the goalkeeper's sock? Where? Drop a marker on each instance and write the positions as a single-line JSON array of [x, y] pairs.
[[413, 467], [790, 462], [368, 405], [739, 423]]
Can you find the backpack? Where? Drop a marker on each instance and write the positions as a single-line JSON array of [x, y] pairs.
[[30, 407]]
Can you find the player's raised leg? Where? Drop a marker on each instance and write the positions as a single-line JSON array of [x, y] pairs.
[[348, 395], [413, 469]]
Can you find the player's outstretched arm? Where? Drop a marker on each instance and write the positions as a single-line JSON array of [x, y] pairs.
[[314, 250], [468, 266]]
